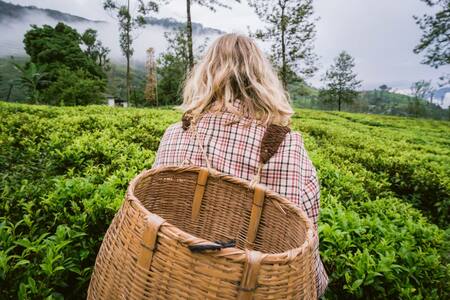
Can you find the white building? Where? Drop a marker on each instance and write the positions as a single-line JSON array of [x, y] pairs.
[[114, 101], [445, 101]]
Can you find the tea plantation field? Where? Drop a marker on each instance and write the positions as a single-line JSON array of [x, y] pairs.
[[385, 185]]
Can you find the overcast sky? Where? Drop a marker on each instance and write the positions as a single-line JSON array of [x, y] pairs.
[[380, 34]]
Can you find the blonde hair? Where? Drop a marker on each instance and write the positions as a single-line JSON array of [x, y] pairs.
[[235, 68]]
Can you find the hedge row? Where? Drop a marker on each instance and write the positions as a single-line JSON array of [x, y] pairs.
[[64, 172]]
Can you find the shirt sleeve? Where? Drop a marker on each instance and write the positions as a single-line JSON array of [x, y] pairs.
[[310, 199], [311, 194], [162, 155]]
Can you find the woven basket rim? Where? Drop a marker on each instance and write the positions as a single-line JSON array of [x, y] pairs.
[[235, 254]]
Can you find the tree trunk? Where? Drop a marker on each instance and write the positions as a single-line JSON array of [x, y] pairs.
[[156, 89], [283, 50], [128, 54], [128, 78], [34, 93], [189, 35], [339, 102], [9, 92]]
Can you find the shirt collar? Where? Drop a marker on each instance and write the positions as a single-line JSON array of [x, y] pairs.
[[237, 107]]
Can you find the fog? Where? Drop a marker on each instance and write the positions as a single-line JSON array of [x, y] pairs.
[[11, 42], [380, 34]]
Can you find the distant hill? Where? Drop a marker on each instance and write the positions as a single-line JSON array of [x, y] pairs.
[[388, 97], [174, 24], [9, 11], [17, 12], [15, 21]]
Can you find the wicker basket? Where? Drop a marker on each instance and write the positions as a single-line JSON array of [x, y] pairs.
[[171, 240]]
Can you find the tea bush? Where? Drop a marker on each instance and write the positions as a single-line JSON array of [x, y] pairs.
[[405, 158], [385, 185]]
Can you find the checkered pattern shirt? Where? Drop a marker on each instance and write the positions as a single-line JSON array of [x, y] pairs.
[[233, 148]]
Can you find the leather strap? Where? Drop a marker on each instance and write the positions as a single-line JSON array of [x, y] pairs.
[[148, 240], [255, 216], [198, 194], [186, 120], [250, 275], [271, 141]]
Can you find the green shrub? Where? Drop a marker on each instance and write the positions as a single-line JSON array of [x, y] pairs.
[[75, 88], [64, 172], [406, 158], [383, 249]]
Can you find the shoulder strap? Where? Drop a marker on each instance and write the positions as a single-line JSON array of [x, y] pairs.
[[271, 141], [186, 120]]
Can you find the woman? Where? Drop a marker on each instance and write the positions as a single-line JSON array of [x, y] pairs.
[[231, 95]]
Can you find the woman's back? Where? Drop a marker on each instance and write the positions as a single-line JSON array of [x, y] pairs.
[[233, 148], [231, 96]]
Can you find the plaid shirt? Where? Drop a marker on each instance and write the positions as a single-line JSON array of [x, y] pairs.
[[233, 148]]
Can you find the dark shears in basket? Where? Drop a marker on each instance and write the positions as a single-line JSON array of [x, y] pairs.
[[216, 246]]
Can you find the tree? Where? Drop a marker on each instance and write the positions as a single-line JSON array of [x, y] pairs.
[[423, 90], [384, 88], [95, 49], [419, 90], [56, 47], [291, 30], [151, 87], [31, 76], [70, 71], [211, 5], [435, 41], [341, 82], [129, 19], [117, 87], [173, 65], [75, 88]]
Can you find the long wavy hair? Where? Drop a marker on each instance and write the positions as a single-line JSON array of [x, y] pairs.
[[235, 68]]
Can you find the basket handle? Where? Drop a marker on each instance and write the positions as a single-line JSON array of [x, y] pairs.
[[198, 193], [250, 273], [148, 240], [255, 216]]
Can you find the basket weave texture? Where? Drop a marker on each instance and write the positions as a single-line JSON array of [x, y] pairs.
[[146, 251]]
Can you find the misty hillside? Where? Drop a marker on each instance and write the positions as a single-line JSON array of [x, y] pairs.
[[15, 20], [171, 23], [18, 12]]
